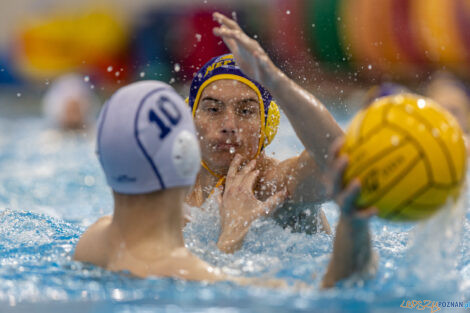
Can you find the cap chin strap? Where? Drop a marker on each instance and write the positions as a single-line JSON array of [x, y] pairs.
[[221, 178]]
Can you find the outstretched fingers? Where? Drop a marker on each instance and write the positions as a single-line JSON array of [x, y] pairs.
[[227, 22], [248, 168], [367, 213], [336, 174], [234, 166], [231, 33], [250, 179], [346, 200], [225, 32]]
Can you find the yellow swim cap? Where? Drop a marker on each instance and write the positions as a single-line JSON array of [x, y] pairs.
[[224, 67]]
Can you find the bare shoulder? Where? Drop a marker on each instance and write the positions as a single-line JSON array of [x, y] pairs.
[[276, 172], [269, 167], [93, 245], [183, 264]]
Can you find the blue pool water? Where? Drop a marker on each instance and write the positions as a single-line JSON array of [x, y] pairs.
[[51, 189]]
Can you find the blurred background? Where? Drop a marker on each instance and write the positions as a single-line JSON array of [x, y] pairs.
[[337, 49]]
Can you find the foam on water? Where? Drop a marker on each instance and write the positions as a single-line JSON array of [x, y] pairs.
[[53, 188]]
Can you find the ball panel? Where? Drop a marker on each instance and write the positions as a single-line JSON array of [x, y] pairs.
[[426, 136], [392, 174], [352, 134], [372, 149], [400, 192], [373, 119], [460, 157], [434, 197], [449, 135], [410, 213]]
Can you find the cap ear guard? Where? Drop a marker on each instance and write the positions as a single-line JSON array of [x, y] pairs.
[[272, 123]]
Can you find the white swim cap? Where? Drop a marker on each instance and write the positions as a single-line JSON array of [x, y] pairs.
[[146, 139], [66, 88]]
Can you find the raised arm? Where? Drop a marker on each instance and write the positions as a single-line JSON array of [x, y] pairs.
[[313, 124], [352, 250]]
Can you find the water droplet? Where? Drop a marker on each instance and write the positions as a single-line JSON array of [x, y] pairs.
[[232, 150], [395, 140], [421, 103], [86, 79], [234, 15], [117, 294], [89, 180], [369, 66], [198, 37], [142, 74], [117, 74], [109, 69], [435, 132], [172, 80], [18, 94], [177, 67], [288, 12]]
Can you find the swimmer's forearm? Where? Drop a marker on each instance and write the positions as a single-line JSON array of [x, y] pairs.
[[352, 252], [312, 122]]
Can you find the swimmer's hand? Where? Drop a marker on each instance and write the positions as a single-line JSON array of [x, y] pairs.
[[249, 55], [239, 207], [345, 196], [352, 251]]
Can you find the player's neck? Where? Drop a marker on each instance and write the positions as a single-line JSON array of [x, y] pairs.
[[149, 224], [203, 186]]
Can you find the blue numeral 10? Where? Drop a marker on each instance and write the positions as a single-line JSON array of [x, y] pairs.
[[170, 111]]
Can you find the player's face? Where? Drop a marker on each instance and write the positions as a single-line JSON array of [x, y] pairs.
[[72, 117], [227, 122]]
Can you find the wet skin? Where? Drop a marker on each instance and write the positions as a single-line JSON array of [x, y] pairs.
[[227, 122]]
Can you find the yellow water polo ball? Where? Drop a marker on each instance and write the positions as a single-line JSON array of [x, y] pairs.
[[409, 154]]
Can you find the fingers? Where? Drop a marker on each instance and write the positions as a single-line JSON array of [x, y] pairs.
[[232, 34], [336, 173], [367, 213], [248, 168], [274, 201], [224, 32], [227, 22], [250, 179], [346, 200], [234, 166]]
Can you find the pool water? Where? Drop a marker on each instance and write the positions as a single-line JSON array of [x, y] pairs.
[[52, 188]]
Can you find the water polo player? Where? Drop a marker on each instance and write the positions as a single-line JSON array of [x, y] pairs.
[[235, 118], [69, 104], [150, 156]]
